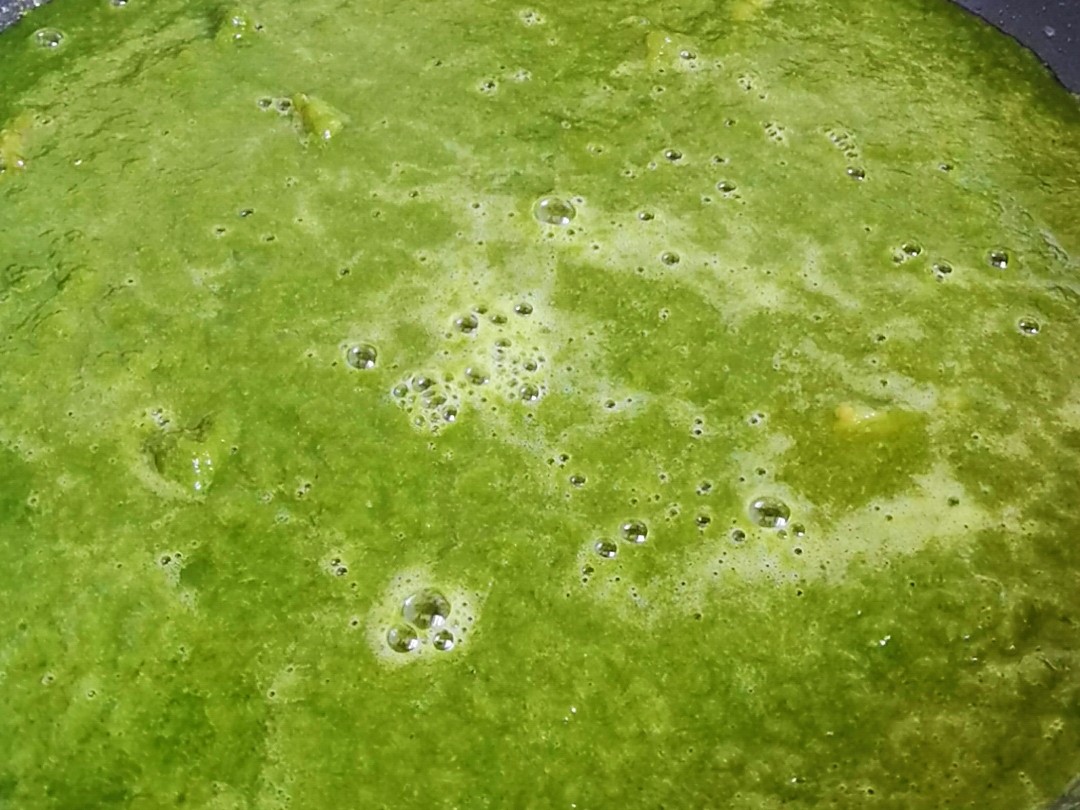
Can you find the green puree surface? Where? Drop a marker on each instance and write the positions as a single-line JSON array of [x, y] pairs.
[[476, 404]]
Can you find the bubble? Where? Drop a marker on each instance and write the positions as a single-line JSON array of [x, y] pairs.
[[434, 399], [48, 38], [443, 641], [998, 259], [361, 356], [910, 249], [941, 270], [421, 383], [399, 390], [467, 324], [634, 531], [264, 103], [738, 535], [606, 549], [646, 216], [475, 375], [403, 639], [554, 211], [669, 258], [674, 155], [529, 393], [725, 187], [523, 308], [798, 530], [769, 513], [855, 173], [577, 480], [1028, 326], [426, 609]]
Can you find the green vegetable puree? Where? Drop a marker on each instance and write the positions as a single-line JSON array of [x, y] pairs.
[[487, 405]]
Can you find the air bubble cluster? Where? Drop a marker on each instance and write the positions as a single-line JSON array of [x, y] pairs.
[[423, 619], [491, 358]]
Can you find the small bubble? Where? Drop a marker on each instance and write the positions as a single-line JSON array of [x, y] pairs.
[[941, 270], [1028, 326], [704, 488], [687, 55], [855, 173], [467, 324], [669, 258], [399, 390], [264, 103], [725, 187], [798, 530], [910, 249], [577, 480], [402, 639], [475, 375], [426, 609], [523, 308], [674, 155], [49, 38], [497, 318], [554, 211], [421, 383], [634, 531], [703, 520], [769, 513], [998, 259], [361, 356], [606, 548], [529, 393], [738, 535], [434, 399], [283, 105], [443, 641], [646, 216]]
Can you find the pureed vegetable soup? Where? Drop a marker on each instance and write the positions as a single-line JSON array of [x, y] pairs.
[[486, 405]]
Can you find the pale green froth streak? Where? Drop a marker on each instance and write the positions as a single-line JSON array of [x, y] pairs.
[[288, 338]]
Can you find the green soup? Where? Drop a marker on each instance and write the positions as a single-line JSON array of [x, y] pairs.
[[554, 405]]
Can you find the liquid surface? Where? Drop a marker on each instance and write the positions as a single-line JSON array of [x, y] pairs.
[[558, 405]]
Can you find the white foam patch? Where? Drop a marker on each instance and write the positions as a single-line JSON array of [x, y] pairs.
[[387, 613], [936, 508], [903, 392]]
